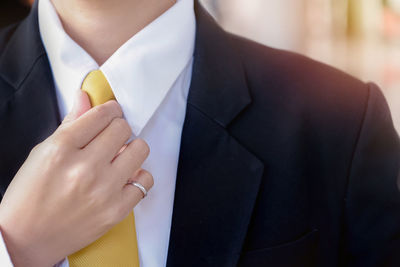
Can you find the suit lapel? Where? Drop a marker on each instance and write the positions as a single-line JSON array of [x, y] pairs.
[[29, 113], [218, 178]]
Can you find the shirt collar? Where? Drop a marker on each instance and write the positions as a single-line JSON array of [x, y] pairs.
[[140, 72]]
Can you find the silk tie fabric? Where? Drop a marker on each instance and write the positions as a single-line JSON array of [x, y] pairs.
[[118, 247]]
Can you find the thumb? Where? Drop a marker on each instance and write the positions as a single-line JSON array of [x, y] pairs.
[[81, 106]]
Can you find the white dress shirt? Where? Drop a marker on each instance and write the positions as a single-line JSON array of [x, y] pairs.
[[150, 76]]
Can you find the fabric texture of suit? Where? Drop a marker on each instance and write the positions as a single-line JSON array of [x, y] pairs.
[[284, 161]]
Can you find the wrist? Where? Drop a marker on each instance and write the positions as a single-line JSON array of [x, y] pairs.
[[19, 250]]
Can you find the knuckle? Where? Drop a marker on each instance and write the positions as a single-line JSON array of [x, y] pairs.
[[108, 110], [100, 111], [56, 151], [120, 212], [149, 179], [81, 171], [92, 201], [109, 219], [61, 139], [64, 137], [114, 215], [145, 178], [79, 181], [122, 127], [141, 147], [61, 128], [115, 108], [36, 149]]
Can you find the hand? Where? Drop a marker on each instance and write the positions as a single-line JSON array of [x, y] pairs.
[[73, 186]]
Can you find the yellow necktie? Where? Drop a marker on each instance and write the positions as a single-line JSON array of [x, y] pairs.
[[118, 247]]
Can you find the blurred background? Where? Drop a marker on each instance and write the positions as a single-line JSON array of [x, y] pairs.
[[361, 37]]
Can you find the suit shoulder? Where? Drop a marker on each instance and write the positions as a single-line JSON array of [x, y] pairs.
[[291, 68], [306, 86], [294, 94]]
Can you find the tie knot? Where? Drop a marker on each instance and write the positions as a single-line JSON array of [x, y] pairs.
[[97, 87]]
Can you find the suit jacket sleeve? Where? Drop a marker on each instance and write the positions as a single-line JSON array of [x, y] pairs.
[[372, 204]]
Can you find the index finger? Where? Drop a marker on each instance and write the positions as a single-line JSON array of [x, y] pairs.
[[85, 128]]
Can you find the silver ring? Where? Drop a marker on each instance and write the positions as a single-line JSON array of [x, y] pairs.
[[141, 187]]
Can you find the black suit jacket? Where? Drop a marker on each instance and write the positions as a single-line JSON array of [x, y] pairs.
[[284, 161]]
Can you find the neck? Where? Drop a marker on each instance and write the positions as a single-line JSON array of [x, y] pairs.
[[102, 26]]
